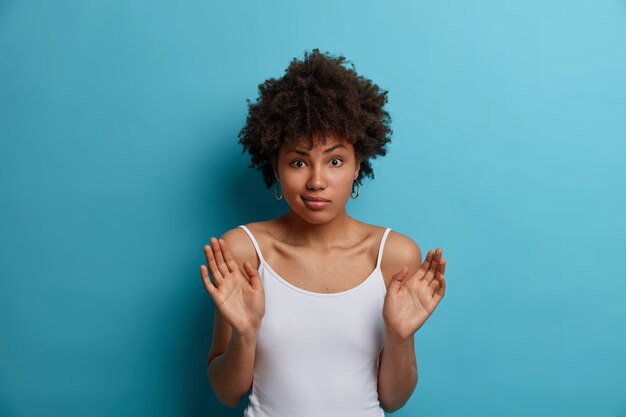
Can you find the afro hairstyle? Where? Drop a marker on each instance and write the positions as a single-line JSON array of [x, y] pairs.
[[318, 94]]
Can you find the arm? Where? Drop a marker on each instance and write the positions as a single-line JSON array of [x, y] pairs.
[[397, 372], [239, 309], [231, 372], [410, 300]]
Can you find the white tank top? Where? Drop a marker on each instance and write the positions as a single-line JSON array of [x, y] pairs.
[[317, 353]]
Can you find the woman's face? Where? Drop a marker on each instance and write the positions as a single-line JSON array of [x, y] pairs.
[[327, 171]]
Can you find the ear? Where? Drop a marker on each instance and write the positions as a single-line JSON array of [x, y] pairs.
[[358, 168]]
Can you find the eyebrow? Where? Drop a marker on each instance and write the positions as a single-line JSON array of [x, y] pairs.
[[298, 151]]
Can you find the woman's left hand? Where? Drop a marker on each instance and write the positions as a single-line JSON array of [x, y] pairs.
[[410, 301]]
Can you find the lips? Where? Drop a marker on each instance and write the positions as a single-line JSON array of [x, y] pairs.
[[315, 199], [315, 204]]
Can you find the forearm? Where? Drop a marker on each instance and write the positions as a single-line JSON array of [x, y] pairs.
[[397, 373], [230, 373]]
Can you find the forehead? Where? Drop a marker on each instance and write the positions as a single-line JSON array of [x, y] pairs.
[[332, 140]]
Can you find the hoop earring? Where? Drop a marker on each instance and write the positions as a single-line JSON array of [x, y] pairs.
[[276, 191], [358, 190]]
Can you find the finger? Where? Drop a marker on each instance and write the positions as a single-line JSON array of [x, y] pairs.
[[219, 257], [433, 267], [421, 272], [438, 256], [441, 290], [217, 275], [434, 286], [440, 269], [252, 275], [398, 279], [230, 261], [402, 274], [204, 273]]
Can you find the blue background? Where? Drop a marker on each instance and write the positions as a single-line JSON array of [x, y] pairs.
[[119, 160]]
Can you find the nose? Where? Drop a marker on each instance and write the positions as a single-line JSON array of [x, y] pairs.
[[316, 179]]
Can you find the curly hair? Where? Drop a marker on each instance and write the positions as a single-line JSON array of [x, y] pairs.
[[318, 94]]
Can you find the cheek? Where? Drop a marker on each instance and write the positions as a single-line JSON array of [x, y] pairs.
[[346, 184], [292, 181]]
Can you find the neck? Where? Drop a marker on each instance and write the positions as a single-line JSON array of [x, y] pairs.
[[339, 232]]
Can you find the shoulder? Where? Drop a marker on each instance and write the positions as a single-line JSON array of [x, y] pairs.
[[400, 250], [241, 246]]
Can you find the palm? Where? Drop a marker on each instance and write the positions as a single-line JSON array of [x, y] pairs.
[[411, 301], [239, 299]]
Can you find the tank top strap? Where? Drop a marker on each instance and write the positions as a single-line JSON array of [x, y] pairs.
[[382, 246], [254, 242], [262, 260]]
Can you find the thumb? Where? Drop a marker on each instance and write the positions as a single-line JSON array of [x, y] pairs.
[[252, 275], [401, 276]]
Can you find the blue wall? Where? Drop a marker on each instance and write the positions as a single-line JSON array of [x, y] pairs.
[[119, 160]]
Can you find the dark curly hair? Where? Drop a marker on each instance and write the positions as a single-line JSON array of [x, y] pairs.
[[316, 94]]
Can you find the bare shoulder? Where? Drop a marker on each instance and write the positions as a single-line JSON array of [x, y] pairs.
[[241, 246], [400, 251]]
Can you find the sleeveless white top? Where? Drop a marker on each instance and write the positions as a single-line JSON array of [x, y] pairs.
[[317, 353]]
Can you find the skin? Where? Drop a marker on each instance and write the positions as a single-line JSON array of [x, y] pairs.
[[410, 299]]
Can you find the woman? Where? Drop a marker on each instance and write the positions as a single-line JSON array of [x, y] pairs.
[[315, 310]]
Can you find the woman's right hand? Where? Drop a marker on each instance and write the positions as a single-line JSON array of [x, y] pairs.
[[240, 298]]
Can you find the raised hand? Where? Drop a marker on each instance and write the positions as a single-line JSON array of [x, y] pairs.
[[240, 297], [410, 301]]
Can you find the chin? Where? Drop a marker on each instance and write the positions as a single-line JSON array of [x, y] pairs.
[[316, 217]]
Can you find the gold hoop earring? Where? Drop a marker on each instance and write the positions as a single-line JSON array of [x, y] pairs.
[[276, 191], [358, 190]]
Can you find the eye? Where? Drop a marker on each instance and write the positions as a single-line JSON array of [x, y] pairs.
[[337, 159], [300, 160]]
